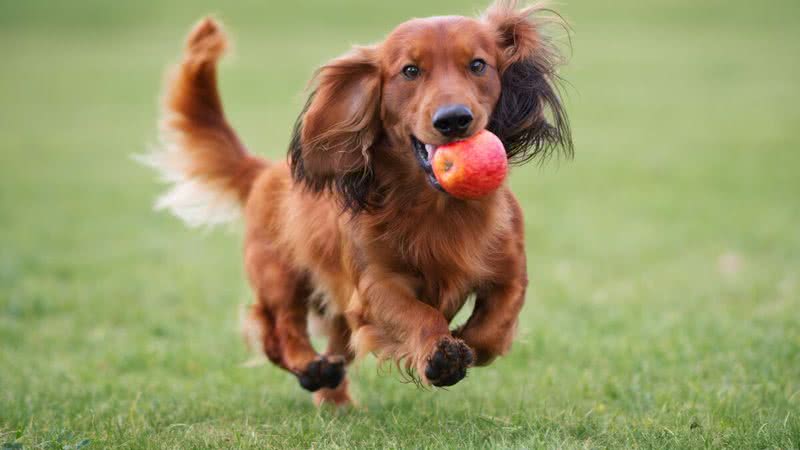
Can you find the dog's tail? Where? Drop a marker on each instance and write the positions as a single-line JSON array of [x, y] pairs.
[[210, 170]]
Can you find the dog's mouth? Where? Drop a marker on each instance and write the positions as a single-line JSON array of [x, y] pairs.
[[424, 154]]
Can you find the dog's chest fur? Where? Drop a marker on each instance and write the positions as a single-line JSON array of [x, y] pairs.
[[446, 248]]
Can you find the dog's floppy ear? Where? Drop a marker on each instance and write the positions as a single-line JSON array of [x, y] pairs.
[[529, 117], [335, 133]]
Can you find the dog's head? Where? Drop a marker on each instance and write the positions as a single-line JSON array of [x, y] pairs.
[[430, 82]]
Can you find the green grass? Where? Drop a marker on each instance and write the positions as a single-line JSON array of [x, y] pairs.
[[664, 309]]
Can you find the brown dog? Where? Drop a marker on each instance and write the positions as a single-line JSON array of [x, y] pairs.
[[354, 226]]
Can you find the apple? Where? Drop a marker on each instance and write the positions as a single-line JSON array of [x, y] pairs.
[[471, 168]]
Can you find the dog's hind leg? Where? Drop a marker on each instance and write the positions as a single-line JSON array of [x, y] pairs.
[[281, 309]]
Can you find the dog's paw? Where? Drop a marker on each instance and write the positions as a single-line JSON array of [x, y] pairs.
[[323, 372], [449, 362]]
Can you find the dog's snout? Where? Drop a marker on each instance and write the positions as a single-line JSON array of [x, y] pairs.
[[452, 120]]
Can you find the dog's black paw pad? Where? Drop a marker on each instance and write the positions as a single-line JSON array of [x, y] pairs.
[[321, 373], [449, 363]]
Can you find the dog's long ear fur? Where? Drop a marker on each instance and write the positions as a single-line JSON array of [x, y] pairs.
[[529, 117], [334, 135]]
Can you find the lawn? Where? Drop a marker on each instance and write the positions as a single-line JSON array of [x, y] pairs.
[[664, 308]]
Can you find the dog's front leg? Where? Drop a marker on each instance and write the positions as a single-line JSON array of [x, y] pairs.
[[394, 324], [491, 327]]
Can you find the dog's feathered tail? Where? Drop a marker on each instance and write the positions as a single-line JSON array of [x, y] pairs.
[[210, 170]]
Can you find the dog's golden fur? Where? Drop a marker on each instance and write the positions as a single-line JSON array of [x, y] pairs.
[[350, 226]]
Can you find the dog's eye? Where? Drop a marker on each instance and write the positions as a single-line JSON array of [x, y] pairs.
[[477, 66], [411, 71]]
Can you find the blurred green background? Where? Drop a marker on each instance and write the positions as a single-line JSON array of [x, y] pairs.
[[664, 260]]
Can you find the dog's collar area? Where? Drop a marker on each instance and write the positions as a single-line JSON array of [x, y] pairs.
[[424, 155]]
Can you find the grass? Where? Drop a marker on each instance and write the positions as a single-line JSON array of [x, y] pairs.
[[664, 260]]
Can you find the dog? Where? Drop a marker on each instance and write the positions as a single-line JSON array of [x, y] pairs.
[[353, 226]]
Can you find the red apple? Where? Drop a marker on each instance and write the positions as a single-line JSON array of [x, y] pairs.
[[471, 168]]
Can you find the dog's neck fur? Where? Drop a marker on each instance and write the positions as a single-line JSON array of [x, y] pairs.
[[425, 225]]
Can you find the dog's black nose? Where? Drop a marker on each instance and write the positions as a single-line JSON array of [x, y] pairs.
[[452, 120]]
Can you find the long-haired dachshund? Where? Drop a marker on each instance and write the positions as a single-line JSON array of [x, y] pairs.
[[353, 226]]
